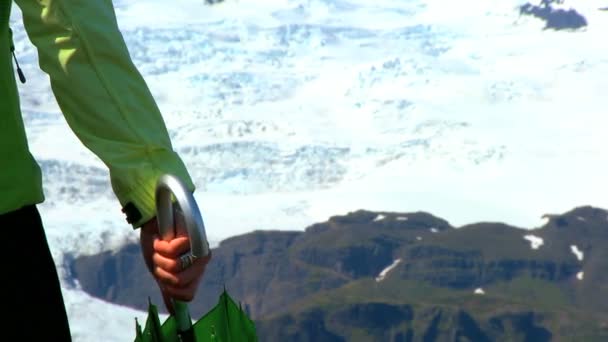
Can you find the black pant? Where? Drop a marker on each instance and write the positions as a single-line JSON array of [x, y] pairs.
[[35, 309]]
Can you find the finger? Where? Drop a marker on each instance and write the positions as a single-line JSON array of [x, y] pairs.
[[164, 277], [170, 265], [184, 277], [173, 248]]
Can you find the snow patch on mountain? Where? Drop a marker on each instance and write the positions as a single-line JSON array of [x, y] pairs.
[[385, 271], [380, 217], [577, 252], [535, 241]]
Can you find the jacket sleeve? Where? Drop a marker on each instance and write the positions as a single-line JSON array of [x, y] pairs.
[[103, 97]]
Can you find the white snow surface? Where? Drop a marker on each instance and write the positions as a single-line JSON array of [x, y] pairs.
[[380, 217], [95, 320], [535, 241], [289, 111], [385, 271], [577, 252]]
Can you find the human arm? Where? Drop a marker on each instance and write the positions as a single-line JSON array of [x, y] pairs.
[[103, 97], [108, 105]]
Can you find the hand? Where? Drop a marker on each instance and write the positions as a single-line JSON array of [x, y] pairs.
[[162, 260]]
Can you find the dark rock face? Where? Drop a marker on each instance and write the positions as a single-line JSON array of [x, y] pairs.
[[524, 323], [321, 285], [363, 243], [374, 316], [431, 333], [353, 261], [259, 270], [467, 269], [310, 326], [117, 277], [556, 19], [468, 329]]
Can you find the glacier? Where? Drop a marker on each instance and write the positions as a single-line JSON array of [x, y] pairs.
[[289, 111]]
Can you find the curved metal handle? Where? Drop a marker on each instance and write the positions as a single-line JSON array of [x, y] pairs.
[[169, 186]]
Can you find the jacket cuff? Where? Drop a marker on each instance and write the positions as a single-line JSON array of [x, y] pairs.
[[136, 188]]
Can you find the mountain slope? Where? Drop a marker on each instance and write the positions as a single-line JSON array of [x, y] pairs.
[[398, 276]]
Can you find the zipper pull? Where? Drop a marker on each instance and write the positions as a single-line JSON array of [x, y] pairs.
[[19, 71]]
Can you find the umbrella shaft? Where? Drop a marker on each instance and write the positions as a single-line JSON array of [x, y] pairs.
[[182, 316]]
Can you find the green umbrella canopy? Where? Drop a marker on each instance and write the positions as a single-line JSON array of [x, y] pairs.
[[226, 322]]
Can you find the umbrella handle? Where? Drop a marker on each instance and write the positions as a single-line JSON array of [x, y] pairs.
[[170, 187]]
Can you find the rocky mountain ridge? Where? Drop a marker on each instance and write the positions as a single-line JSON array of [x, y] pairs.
[[397, 277]]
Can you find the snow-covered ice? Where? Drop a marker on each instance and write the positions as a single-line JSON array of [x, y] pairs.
[[290, 111]]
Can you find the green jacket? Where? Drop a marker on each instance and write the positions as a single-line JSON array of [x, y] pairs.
[[103, 97]]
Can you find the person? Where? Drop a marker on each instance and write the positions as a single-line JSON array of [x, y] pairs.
[[107, 104]]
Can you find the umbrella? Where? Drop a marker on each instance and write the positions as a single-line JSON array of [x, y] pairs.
[[226, 321]]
